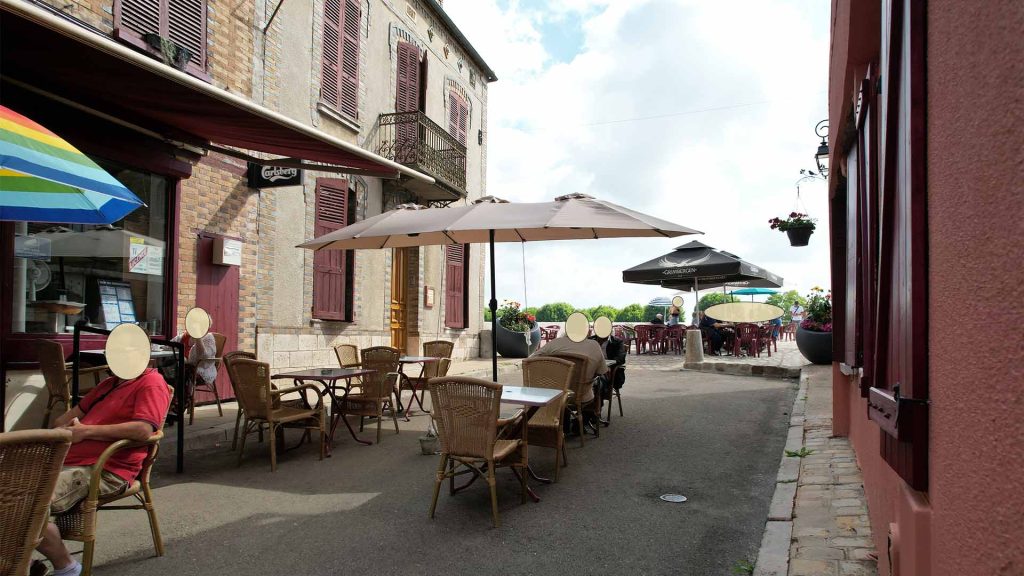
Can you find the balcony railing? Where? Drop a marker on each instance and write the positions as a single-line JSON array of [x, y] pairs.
[[412, 139]]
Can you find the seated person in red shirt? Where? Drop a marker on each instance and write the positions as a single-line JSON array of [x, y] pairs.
[[115, 410]]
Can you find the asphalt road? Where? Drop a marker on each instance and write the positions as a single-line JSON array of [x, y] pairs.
[[715, 439]]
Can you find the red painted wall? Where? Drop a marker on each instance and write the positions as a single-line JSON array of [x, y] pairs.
[[971, 521]]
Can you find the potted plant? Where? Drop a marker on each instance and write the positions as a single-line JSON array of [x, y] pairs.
[[518, 334], [428, 442], [797, 226], [814, 334]]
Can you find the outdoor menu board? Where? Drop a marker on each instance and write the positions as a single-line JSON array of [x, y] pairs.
[[116, 304]]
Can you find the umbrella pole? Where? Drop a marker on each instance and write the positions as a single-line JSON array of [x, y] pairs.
[[494, 314]]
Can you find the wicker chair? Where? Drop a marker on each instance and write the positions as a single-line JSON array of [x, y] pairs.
[[219, 340], [466, 413], [79, 523], [57, 375], [546, 423], [578, 388], [30, 463], [348, 355], [229, 358], [260, 402], [436, 349], [378, 390]]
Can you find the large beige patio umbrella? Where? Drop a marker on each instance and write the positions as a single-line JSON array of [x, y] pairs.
[[489, 219]]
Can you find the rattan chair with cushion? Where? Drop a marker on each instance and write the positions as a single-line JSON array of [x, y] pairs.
[[79, 523], [199, 384], [546, 423], [577, 390], [30, 462], [465, 411], [418, 383], [379, 389], [260, 402], [57, 375]]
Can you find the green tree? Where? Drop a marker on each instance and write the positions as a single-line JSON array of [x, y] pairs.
[[554, 312], [487, 314], [602, 310], [785, 301], [650, 311], [709, 300], [631, 313]]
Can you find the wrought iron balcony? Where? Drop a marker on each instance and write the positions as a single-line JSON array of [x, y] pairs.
[[412, 139]]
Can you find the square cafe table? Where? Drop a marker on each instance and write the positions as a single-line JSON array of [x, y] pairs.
[[329, 378], [422, 361]]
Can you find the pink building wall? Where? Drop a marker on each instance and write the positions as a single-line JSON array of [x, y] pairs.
[[971, 520]]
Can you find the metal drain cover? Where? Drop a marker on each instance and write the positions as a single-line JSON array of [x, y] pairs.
[[673, 498]]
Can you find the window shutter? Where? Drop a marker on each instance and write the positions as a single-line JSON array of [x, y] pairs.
[[331, 62], [901, 360], [456, 257], [329, 289], [458, 117], [407, 92], [349, 81], [181, 21]]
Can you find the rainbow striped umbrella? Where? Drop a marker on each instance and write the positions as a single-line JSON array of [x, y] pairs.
[[45, 179]]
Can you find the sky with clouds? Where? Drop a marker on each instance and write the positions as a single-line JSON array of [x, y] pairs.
[[701, 112]]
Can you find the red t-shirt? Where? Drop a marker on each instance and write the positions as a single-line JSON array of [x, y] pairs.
[[144, 399]]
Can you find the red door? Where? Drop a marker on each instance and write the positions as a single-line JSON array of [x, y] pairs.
[[217, 293]]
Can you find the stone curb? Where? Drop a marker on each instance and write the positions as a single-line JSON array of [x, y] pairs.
[[773, 557], [738, 369]]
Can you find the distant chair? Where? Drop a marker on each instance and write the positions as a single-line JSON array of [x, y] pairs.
[[549, 333], [466, 413], [379, 389], [229, 358], [348, 355], [546, 423], [79, 523], [30, 462], [199, 384], [57, 375], [747, 337], [436, 349]]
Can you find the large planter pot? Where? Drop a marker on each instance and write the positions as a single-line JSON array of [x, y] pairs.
[[815, 346], [515, 344], [799, 236]]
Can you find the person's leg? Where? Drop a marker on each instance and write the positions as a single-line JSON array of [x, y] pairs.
[[52, 546]]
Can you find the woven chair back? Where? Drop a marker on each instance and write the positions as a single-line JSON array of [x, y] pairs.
[[229, 360], [443, 366], [581, 374], [30, 462], [552, 373], [51, 364], [466, 413], [437, 349], [251, 380], [383, 360], [348, 355]]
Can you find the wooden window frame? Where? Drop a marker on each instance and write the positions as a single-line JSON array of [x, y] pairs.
[[134, 38]]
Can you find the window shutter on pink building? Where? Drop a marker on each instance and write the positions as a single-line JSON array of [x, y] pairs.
[[407, 91], [458, 117], [456, 257], [339, 85], [181, 21], [329, 290]]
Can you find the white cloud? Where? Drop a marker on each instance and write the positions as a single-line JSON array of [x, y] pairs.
[[737, 88]]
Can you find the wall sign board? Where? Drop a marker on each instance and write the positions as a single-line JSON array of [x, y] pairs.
[[273, 176]]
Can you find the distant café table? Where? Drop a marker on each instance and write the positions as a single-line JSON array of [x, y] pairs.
[[333, 380], [422, 361]]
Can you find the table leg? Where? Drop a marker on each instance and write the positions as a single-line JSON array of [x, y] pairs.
[[336, 416]]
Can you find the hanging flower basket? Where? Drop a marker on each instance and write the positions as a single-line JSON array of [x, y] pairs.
[[797, 226], [800, 236]]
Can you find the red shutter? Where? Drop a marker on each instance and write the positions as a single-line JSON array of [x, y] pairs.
[[330, 65], [407, 92], [181, 21], [901, 361], [349, 81], [458, 117], [329, 265], [456, 257]]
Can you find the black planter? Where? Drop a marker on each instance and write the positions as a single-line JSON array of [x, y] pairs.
[[799, 236], [514, 344], [815, 346]]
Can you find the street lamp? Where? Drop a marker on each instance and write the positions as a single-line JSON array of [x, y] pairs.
[[821, 157]]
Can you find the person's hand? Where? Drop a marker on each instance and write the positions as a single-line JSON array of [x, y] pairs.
[[78, 430]]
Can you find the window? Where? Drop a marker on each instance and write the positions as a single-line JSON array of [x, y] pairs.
[[458, 116], [339, 84], [143, 23], [332, 269], [107, 275], [456, 276]]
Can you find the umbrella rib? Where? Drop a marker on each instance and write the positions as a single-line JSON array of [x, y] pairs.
[[521, 239]]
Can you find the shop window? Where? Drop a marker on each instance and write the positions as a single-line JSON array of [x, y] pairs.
[[456, 297], [150, 24], [332, 269], [105, 275], [339, 83]]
